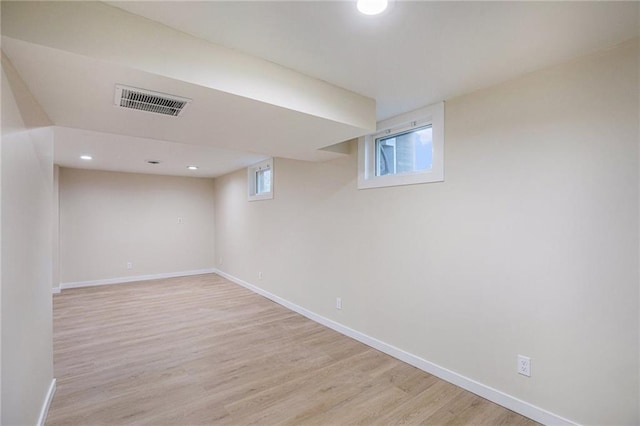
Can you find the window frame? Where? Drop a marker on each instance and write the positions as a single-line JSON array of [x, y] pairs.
[[430, 115], [252, 175]]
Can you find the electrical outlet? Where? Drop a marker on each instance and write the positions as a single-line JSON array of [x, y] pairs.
[[129, 265], [338, 303], [180, 221], [220, 261], [524, 365], [259, 275]]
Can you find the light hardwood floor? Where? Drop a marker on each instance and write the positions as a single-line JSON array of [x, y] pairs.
[[202, 350]]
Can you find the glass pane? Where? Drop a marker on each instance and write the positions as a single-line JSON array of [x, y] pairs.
[[406, 152], [263, 181]]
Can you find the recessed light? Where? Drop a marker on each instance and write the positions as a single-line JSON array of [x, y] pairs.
[[192, 167], [372, 7], [86, 157]]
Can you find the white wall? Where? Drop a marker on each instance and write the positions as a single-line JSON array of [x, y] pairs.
[[55, 226], [108, 219], [26, 316], [530, 246]]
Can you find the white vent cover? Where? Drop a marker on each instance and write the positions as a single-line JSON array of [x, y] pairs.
[[146, 100]]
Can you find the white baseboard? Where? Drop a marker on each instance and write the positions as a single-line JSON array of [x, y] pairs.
[[55, 290], [512, 403], [47, 403], [129, 279]]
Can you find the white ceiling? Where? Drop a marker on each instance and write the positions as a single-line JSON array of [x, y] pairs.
[[131, 154], [78, 92], [415, 54]]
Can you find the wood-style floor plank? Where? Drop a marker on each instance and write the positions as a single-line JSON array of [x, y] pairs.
[[201, 350]]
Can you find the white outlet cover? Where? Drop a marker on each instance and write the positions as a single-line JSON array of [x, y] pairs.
[[524, 365]]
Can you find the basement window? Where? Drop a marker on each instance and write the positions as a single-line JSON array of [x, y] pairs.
[[407, 149], [260, 180]]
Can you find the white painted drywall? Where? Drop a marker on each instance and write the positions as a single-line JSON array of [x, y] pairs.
[[26, 316], [530, 246], [111, 34], [55, 226], [108, 219]]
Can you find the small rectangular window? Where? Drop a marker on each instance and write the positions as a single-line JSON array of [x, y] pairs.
[[263, 181], [405, 152], [260, 180]]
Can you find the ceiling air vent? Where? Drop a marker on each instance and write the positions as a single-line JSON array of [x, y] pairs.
[[146, 100]]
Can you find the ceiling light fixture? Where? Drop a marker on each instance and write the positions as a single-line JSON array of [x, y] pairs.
[[86, 157], [192, 167], [372, 7]]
